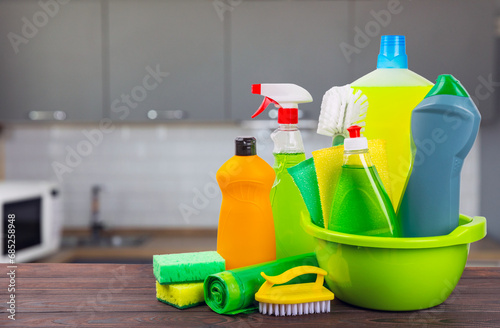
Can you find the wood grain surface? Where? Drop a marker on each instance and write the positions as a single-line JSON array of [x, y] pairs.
[[123, 295]]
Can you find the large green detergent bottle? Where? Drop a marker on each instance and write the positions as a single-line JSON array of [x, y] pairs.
[[393, 91], [286, 201]]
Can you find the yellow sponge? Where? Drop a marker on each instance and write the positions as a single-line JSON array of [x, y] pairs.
[[182, 296], [328, 162], [378, 153]]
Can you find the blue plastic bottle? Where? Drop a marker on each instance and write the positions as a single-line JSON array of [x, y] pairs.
[[443, 127]]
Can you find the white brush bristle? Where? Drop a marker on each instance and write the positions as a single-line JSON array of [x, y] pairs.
[[341, 107], [294, 309]]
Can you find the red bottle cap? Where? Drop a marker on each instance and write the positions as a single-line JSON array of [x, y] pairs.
[[354, 131]]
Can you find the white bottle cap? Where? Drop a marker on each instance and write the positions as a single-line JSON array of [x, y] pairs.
[[356, 141], [359, 143]]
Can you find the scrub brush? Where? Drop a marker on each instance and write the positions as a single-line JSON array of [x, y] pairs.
[[295, 299], [341, 107]]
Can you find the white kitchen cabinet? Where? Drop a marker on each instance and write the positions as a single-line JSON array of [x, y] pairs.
[[442, 37], [50, 60], [182, 41], [289, 42]]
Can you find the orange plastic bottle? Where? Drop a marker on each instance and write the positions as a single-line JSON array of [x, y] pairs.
[[245, 234]]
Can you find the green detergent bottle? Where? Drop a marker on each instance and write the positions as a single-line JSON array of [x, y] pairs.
[[360, 205], [287, 203]]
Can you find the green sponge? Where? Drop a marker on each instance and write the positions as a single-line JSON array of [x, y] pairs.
[[182, 296], [186, 267]]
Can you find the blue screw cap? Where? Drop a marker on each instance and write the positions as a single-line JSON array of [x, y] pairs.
[[392, 52]]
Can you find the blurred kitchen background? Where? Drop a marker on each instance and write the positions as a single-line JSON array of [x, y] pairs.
[[128, 107]]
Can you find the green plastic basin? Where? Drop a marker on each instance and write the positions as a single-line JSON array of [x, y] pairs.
[[394, 274]]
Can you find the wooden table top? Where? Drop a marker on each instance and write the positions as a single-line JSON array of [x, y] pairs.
[[123, 295]]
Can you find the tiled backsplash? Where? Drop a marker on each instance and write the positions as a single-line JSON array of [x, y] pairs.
[[152, 175]]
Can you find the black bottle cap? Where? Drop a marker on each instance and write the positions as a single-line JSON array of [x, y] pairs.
[[245, 146]]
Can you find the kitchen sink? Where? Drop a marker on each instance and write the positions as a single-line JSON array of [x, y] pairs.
[[104, 241]]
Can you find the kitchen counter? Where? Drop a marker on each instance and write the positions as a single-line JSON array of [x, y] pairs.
[[485, 252], [158, 241], [123, 295]]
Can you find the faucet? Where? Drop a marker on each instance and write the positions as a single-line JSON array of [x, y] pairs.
[[96, 225]]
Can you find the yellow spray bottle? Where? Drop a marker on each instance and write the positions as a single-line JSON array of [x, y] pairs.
[[393, 91]]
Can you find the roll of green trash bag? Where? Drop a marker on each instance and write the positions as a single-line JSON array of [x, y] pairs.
[[232, 292]]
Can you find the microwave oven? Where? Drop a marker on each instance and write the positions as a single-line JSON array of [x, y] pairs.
[[32, 218]]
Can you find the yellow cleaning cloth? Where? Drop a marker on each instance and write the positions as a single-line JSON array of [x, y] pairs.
[[328, 162]]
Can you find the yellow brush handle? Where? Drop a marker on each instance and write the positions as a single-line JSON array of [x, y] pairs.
[[293, 273]]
